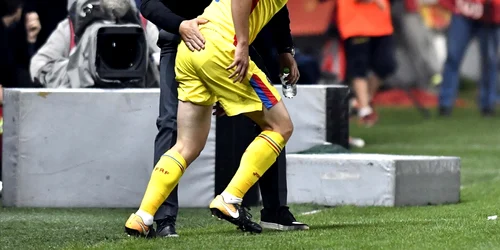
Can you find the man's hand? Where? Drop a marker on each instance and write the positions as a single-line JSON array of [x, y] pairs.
[[33, 27], [286, 60], [241, 62], [190, 33], [15, 17]]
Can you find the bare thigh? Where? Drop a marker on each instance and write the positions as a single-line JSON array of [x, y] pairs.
[[193, 126]]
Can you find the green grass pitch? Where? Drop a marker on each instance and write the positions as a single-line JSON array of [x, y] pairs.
[[401, 131]]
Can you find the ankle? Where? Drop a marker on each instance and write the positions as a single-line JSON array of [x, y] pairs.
[[230, 199], [146, 217]]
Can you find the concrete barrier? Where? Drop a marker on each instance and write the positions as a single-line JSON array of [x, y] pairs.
[[94, 148], [373, 179], [88, 148]]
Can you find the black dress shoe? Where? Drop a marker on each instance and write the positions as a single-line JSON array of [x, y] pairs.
[[444, 111], [281, 219], [487, 112], [166, 227]]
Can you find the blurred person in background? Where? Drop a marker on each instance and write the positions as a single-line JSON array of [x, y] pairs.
[[417, 40], [471, 18], [19, 30], [365, 27], [51, 65], [177, 21], [10, 12]]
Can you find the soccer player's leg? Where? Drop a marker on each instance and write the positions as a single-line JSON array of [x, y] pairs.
[[277, 128], [257, 159], [257, 98], [193, 122]]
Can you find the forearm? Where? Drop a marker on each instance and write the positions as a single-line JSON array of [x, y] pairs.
[[159, 14], [280, 26], [54, 74], [240, 10], [48, 69]]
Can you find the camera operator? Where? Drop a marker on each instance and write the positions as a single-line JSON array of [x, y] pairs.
[[80, 53]]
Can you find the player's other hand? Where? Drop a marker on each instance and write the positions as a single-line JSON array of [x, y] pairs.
[[218, 110], [286, 60], [190, 33], [240, 63]]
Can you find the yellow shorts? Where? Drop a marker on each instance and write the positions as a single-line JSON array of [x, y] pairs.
[[204, 80]]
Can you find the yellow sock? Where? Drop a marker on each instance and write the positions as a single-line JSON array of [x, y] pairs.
[[165, 177], [256, 160]]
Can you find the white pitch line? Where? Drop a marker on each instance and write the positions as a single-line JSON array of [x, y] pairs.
[[447, 146], [311, 212]]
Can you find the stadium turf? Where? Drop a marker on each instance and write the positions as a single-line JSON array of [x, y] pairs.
[[401, 131]]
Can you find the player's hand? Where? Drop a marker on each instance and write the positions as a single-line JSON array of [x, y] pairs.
[[286, 60], [241, 62], [190, 33], [218, 110]]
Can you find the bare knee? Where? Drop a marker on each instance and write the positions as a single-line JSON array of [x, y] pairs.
[[276, 119], [284, 127], [189, 151]]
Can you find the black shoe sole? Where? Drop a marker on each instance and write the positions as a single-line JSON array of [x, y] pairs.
[[241, 225], [166, 235], [280, 227], [135, 233]]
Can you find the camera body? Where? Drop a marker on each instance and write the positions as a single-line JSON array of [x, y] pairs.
[[110, 55], [121, 53], [111, 45]]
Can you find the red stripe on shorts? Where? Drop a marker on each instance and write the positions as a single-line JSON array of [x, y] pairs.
[[265, 90]]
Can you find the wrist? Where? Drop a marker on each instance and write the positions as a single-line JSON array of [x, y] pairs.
[[242, 43], [178, 23], [288, 50], [31, 40]]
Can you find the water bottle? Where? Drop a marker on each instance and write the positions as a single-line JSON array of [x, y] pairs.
[[289, 90]]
